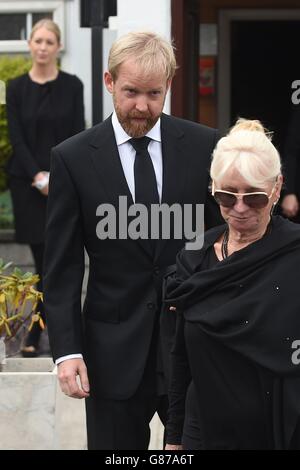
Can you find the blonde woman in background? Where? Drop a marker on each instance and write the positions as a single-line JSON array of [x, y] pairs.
[[44, 107], [237, 303]]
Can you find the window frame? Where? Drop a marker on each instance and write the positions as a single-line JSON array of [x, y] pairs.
[[27, 7]]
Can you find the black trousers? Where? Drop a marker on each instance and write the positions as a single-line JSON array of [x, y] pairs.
[[124, 424], [34, 335], [192, 438]]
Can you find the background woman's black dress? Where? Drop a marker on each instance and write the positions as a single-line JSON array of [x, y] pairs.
[[40, 116]]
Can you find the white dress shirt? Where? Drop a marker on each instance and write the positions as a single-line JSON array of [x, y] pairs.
[[127, 157], [127, 153]]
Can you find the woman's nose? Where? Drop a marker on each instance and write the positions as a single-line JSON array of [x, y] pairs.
[[240, 206]]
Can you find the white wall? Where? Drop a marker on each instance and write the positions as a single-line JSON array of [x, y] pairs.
[[109, 36], [132, 15], [77, 56], [144, 14], [153, 15]]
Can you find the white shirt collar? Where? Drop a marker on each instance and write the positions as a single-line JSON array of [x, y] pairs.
[[122, 136]]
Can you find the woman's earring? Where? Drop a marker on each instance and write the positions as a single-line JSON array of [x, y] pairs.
[[273, 207]]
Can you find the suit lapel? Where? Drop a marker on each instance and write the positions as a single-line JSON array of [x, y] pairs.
[[106, 160], [174, 166], [107, 163]]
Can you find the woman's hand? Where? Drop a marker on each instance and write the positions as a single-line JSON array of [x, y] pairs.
[[40, 182], [290, 205], [45, 190], [173, 447]]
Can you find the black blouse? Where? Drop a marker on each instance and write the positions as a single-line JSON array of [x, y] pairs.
[[39, 117], [45, 123], [181, 378]]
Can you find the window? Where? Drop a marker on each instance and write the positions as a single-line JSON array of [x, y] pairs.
[[38, 16], [17, 26], [18, 17], [12, 26]]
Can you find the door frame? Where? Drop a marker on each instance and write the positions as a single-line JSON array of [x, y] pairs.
[[224, 51], [185, 94]]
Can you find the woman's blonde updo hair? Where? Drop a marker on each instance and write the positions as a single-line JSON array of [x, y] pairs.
[[48, 24], [248, 148]]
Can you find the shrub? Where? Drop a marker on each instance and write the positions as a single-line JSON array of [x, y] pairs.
[[6, 211], [10, 67]]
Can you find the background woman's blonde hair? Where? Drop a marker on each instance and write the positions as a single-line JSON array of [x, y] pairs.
[[248, 148], [151, 51], [48, 24]]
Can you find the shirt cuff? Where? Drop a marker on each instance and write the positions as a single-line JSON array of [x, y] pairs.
[[69, 356]]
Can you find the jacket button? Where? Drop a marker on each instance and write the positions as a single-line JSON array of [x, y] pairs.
[[156, 270], [150, 305]]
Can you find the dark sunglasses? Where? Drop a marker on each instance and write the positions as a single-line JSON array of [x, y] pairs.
[[255, 200]]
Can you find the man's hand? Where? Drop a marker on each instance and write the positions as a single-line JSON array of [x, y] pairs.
[[67, 372], [290, 205], [173, 447]]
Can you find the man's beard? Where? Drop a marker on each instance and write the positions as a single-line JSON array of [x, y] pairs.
[[134, 128]]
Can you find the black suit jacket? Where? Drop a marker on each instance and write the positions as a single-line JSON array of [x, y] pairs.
[[122, 295]]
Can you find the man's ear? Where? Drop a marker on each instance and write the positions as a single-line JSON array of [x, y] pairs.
[[109, 82], [279, 185], [169, 83]]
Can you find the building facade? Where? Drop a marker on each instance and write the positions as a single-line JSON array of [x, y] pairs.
[[236, 57]]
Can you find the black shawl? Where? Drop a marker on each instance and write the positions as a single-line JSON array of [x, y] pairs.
[[251, 303]]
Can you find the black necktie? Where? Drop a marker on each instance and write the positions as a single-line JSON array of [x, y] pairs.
[[144, 176]]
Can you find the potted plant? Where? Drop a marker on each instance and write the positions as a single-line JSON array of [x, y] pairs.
[[18, 304], [35, 415], [27, 386]]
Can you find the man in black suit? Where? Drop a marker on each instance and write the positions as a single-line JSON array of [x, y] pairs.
[[114, 346]]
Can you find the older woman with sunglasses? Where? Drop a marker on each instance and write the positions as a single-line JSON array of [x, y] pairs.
[[235, 374]]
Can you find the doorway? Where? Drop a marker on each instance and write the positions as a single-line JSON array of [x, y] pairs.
[[262, 55]]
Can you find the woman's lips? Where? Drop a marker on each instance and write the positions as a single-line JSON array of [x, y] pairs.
[[239, 218]]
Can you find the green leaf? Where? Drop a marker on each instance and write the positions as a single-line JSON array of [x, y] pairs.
[[10, 67], [17, 272]]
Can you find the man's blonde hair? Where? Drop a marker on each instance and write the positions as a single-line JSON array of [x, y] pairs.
[[48, 24], [150, 51]]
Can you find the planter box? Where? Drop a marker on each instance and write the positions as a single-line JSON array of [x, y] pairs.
[[34, 414], [27, 404]]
